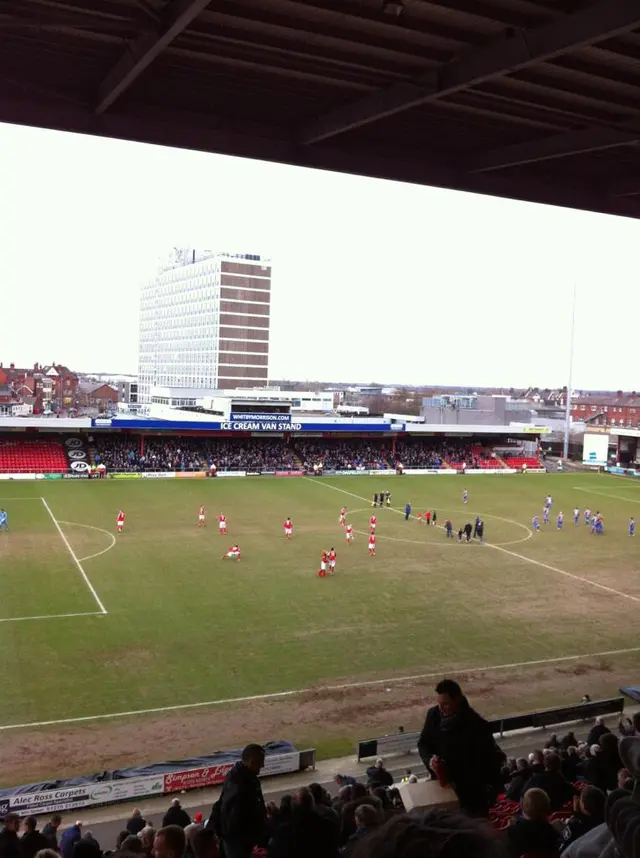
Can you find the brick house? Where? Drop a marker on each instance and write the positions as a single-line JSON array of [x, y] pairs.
[[49, 387], [622, 409]]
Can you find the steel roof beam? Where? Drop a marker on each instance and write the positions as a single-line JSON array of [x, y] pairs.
[[518, 49], [558, 146], [139, 56]]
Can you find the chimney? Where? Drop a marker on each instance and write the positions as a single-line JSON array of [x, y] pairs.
[[12, 366], [36, 367]]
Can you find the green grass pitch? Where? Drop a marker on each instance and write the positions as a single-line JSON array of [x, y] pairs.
[[184, 626]]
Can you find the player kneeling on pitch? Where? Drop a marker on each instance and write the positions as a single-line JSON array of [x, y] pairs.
[[233, 553]]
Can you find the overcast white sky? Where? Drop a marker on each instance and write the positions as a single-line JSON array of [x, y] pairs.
[[372, 280]]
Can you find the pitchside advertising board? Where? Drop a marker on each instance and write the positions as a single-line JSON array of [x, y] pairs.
[[127, 789], [77, 459], [595, 450]]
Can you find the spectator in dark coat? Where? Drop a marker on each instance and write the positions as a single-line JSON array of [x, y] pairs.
[[240, 815], [457, 741], [569, 741], [597, 732], [572, 767], [136, 822], [50, 830], [9, 840], [589, 807], [87, 847], [305, 834], [176, 815], [367, 820], [430, 833], [378, 776], [553, 782], [323, 806], [348, 821], [204, 843], [519, 780], [602, 769], [32, 840], [536, 762], [70, 837], [533, 834]]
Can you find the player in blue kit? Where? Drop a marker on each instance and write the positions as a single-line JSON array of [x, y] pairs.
[[632, 526], [465, 496], [4, 520], [587, 516], [560, 521], [535, 522], [545, 515]]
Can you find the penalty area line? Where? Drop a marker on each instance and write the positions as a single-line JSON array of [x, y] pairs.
[[51, 617], [280, 695], [74, 557]]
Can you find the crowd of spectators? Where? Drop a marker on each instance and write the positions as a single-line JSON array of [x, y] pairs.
[[127, 453], [571, 799], [192, 454], [350, 455]]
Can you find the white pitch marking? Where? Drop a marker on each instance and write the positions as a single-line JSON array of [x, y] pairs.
[[439, 545], [50, 617], [525, 558], [74, 557], [100, 530], [279, 695], [605, 495], [19, 499]]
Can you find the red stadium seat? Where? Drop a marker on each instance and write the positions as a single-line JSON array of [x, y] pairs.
[[35, 456]]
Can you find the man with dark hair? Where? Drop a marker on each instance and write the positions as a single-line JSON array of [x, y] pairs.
[[367, 820], [170, 842], [458, 744], [32, 840], [9, 840], [239, 817], [589, 812], [204, 843], [432, 833], [50, 830], [553, 782]]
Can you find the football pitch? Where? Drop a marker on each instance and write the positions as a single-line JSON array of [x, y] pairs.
[[130, 648]]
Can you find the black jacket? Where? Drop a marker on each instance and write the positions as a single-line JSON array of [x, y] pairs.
[[135, 824], [305, 834], [379, 777], [556, 786], [602, 770], [596, 733], [468, 750], [577, 826], [51, 834], [9, 844], [538, 838], [88, 847], [176, 816], [240, 813], [518, 784], [32, 842]]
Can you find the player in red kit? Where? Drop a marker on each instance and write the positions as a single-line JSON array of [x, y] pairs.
[[288, 528], [372, 523], [222, 524], [343, 516], [348, 532], [372, 544], [324, 559], [233, 553], [427, 517], [332, 561], [120, 521], [202, 518]]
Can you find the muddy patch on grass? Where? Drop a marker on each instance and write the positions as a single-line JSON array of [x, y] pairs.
[[321, 715]]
